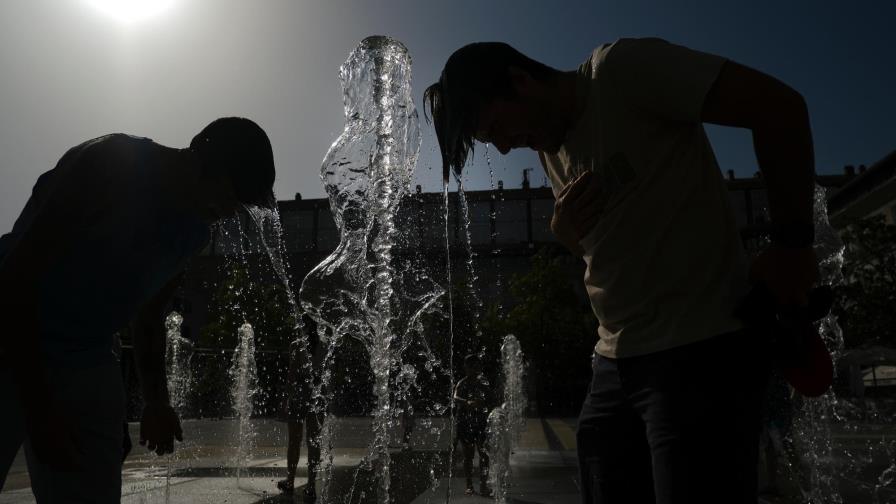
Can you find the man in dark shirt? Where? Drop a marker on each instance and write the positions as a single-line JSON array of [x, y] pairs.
[[99, 245]]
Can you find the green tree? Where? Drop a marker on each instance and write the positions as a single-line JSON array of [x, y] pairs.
[[555, 329], [867, 297], [240, 298]]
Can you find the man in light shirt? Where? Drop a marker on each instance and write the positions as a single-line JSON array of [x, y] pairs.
[[673, 411]]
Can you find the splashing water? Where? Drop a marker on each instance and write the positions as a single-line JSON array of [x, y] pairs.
[[813, 422], [244, 385], [178, 351], [832, 468], [366, 174], [507, 422]]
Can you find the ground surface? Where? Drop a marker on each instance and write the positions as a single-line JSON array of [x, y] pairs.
[[544, 467]]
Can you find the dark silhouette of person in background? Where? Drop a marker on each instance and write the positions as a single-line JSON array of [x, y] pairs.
[[298, 413], [473, 400], [100, 244], [673, 412]]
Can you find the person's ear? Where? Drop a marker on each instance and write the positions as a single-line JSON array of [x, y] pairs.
[[522, 81]]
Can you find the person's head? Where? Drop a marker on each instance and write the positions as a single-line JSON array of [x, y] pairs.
[[489, 91], [472, 365], [237, 166]]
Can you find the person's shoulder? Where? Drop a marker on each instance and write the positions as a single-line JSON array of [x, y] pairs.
[[109, 156], [627, 46], [101, 170], [612, 50], [116, 145]]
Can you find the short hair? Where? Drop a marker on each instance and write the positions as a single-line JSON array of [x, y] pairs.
[[238, 148], [474, 75], [472, 360]]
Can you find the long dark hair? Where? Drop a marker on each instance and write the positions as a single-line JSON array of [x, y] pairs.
[[473, 76]]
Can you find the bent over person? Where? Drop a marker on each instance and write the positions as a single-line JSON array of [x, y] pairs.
[[672, 415], [98, 245]]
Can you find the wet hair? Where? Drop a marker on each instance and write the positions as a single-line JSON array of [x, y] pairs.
[[474, 75], [238, 148]]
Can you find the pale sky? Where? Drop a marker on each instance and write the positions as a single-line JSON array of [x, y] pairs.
[[71, 72]]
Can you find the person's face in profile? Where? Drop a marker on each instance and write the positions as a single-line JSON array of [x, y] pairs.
[[524, 120], [218, 199]]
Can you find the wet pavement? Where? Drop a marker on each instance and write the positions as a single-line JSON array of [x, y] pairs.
[[544, 467]]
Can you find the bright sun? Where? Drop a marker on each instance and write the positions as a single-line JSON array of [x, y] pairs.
[[131, 10]]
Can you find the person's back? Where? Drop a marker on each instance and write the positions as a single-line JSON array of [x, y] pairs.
[[124, 237]]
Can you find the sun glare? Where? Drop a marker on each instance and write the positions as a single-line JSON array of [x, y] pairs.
[[129, 11]]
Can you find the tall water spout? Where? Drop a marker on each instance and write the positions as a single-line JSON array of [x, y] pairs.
[[507, 422], [178, 351], [244, 384], [366, 173]]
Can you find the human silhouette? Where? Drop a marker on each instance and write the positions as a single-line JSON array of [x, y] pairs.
[[100, 244]]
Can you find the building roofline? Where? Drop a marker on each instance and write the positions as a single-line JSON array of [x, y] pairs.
[[873, 178], [832, 181]]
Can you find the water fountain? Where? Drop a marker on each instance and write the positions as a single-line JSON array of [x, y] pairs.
[[178, 351], [244, 385], [507, 422], [366, 174], [830, 471]]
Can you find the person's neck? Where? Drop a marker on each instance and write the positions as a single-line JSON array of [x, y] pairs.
[[181, 181], [567, 100]]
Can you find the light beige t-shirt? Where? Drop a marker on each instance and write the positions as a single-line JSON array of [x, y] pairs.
[[665, 264]]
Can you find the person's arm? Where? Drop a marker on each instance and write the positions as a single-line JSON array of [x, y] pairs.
[[159, 425], [457, 396], [778, 118]]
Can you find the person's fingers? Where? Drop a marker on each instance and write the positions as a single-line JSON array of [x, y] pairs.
[[575, 189], [565, 189]]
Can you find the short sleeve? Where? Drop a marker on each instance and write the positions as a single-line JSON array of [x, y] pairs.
[[662, 79]]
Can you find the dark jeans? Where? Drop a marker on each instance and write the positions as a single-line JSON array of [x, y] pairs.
[[675, 427]]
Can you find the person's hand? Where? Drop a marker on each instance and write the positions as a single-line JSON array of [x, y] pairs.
[[576, 211], [159, 427], [789, 273], [51, 438]]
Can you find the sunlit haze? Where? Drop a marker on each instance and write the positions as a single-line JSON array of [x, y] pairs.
[[130, 11], [77, 69]]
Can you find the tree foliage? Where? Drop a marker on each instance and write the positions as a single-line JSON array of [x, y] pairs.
[[556, 330], [866, 304]]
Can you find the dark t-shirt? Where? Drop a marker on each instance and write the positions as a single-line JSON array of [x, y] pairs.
[[472, 389], [126, 244]]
